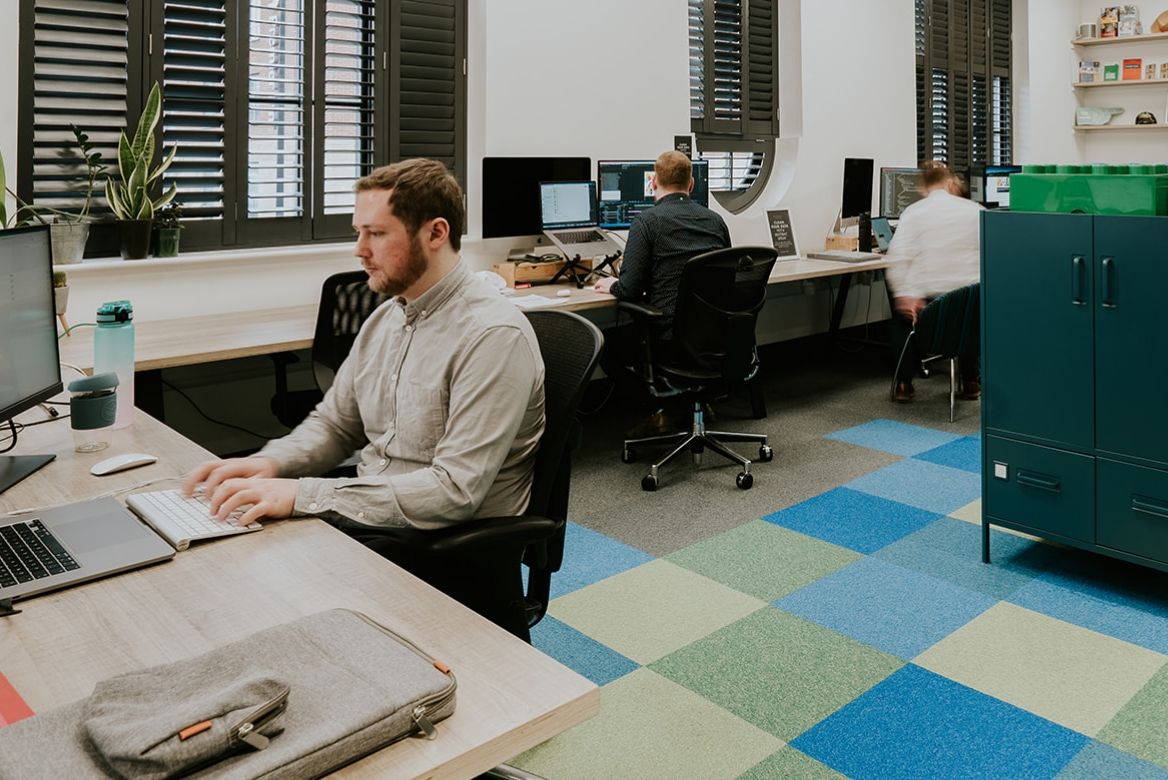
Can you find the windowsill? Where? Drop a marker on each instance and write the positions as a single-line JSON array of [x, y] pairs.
[[99, 265]]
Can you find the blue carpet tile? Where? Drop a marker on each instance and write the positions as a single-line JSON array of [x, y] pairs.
[[579, 652], [939, 489], [590, 557], [964, 454], [895, 437], [917, 724], [851, 519]]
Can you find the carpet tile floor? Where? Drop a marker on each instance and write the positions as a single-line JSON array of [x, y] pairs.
[[851, 632]]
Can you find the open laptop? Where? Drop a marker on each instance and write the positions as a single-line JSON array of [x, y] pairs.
[[55, 548], [570, 219], [882, 229]]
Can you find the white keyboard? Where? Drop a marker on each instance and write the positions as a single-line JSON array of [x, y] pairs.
[[182, 520], [844, 255]]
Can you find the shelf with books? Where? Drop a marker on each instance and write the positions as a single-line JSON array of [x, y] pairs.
[[1146, 38], [1139, 128], [1128, 83]]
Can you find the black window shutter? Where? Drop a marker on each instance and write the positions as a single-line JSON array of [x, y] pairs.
[[762, 69]]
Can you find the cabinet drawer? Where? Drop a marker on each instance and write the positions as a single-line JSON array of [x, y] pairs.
[[1041, 488], [1133, 509]]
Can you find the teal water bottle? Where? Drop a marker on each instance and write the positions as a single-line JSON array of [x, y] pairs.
[[113, 350]]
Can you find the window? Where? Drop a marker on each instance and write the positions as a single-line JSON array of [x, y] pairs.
[[733, 47], [275, 106], [964, 108]]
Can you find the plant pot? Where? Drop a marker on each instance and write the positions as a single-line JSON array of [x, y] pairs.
[[135, 238], [68, 241], [61, 299], [167, 245]]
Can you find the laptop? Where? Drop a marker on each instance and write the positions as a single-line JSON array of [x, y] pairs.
[[570, 219], [56, 548], [844, 255], [883, 230]]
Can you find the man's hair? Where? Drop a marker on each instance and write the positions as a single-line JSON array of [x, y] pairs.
[[422, 190], [932, 173], [673, 170]]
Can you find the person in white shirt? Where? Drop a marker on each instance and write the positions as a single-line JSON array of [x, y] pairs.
[[936, 248]]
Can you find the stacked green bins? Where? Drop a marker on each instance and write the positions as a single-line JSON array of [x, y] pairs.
[[1134, 190], [1074, 371]]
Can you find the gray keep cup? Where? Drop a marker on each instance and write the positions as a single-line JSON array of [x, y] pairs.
[[93, 406]]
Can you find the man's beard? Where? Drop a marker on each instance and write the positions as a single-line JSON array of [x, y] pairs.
[[416, 266]]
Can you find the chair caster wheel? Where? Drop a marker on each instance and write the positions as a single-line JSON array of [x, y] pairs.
[[649, 483], [744, 481], [765, 453], [628, 455]]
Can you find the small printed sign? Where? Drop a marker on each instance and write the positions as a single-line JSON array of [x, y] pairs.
[[782, 233], [684, 144]]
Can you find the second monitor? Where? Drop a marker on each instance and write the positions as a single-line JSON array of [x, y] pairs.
[[898, 190], [625, 189]]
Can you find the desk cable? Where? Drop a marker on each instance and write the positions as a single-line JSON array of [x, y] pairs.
[[107, 494], [209, 418]]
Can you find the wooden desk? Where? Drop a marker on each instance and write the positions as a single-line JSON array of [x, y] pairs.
[[510, 696]]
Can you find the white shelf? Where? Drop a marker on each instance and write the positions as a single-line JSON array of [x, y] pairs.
[[1139, 128], [1148, 38], [1129, 83]]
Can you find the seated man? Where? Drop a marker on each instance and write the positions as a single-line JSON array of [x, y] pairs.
[[443, 389], [661, 240], [936, 248]]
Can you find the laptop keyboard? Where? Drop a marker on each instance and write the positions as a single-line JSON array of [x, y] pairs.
[[579, 236], [29, 551], [184, 519]]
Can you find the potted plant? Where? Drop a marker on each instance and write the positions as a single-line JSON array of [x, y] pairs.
[[61, 296], [129, 194], [168, 223], [69, 232], [23, 212]]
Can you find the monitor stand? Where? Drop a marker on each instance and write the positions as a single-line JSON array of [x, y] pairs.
[[14, 468]]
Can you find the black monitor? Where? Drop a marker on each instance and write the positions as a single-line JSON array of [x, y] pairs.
[[898, 190], [857, 187], [625, 191], [511, 190], [990, 186], [30, 368]]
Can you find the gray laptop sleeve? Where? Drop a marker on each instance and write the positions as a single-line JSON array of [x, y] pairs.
[[297, 700]]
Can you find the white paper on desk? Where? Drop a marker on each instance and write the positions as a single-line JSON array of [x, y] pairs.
[[536, 301]]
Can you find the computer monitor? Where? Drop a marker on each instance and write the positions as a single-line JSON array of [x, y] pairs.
[[511, 190], [898, 190], [625, 190], [30, 368], [990, 186], [565, 204], [857, 187]]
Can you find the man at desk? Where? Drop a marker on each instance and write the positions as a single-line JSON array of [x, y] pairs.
[[443, 389], [661, 240]]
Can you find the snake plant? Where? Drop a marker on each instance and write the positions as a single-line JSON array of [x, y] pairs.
[[129, 193]]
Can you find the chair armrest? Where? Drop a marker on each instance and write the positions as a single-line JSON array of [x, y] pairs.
[[641, 311], [487, 532]]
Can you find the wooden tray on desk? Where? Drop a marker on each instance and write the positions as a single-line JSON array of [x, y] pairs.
[[531, 273]]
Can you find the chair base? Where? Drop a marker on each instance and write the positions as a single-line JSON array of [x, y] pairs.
[[697, 440]]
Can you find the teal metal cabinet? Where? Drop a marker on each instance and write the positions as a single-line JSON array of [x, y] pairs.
[[1038, 330], [1074, 378], [1131, 337]]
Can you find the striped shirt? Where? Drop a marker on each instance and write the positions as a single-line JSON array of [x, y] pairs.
[[661, 240]]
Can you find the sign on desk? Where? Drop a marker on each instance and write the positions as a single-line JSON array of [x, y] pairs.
[[782, 233]]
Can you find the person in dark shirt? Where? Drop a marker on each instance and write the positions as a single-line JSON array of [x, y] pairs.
[[661, 240]]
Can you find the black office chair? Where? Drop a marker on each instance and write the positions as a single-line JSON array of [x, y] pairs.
[[948, 328], [345, 303], [711, 353], [478, 563]]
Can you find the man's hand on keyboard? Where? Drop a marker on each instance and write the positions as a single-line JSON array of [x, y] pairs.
[[269, 498], [214, 472]]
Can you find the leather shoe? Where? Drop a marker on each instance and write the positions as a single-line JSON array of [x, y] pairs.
[[657, 424], [904, 392], [971, 390]]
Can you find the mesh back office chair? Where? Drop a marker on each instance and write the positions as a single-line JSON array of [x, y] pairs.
[[948, 327], [345, 303], [478, 563], [712, 352]]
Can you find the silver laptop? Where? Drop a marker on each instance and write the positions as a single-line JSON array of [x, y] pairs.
[[570, 219], [55, 548]]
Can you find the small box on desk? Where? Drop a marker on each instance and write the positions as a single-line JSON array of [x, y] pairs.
[[531, 273], [842, 242]]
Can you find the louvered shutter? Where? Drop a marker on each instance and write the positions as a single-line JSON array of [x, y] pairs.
[[428, 96], [83, 62], [762, 68], [920, 46], [697, 62], [1000, 72]]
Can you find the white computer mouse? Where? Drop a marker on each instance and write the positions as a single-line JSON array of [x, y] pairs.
[[130, 460]]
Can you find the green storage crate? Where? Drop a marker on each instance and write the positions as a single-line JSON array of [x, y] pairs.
[[1136, 190]]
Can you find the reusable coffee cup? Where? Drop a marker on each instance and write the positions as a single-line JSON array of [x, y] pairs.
[[93, 407]]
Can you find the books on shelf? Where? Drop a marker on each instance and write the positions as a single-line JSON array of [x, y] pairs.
[[1133, 69]]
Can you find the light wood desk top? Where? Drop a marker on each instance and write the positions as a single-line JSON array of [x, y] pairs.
[[203, 339], [510, 696]]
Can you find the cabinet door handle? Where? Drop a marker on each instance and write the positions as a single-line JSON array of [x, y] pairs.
[[1149, 506], [1039, 481], [1077, 281], [1109, 283]]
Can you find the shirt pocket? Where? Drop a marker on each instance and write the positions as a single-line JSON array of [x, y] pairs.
[[421, 419]]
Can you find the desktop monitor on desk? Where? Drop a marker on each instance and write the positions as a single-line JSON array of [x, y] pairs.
[[30, 369], [857, 194], [898, 190], [511, 190], [990, 186], [625, 190]]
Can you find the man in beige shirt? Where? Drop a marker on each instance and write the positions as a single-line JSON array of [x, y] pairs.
[[442, 391]]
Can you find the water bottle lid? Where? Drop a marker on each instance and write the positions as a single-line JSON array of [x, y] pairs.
[[89, 384], [115, 311]]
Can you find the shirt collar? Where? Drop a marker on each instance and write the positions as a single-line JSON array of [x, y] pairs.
[[433, 299], [678, 196]]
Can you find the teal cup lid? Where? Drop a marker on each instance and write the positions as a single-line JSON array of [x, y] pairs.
[[95, 383], [115, 311]]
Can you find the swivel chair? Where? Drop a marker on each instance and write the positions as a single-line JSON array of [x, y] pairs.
[[346, 301], [711, 353], [948, 328]]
